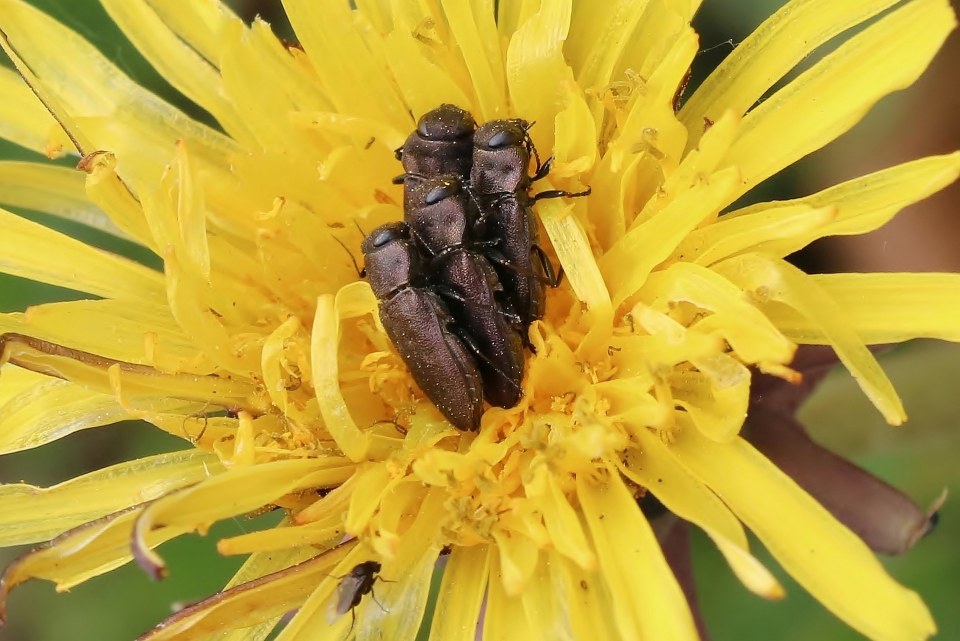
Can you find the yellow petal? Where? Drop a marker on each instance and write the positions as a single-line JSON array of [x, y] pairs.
[[182, 182], [633, 565], [321, 535], [715, 395], [834, 94], [773, 279], [173, 56], [24, 121], [652, 467], [695, 169], [598, 36], [503, 617], [573, 249], [774, 229], [310, 623], [424, 84], [628, 263], [272, 364], [767, 54], [660, 26], [277, 585], [862, 205], [236, 491], [142, 333], [57, 191], [33, 251], [518, 560], [189, 296], [827, 559], [324, 353], [249, 60], [82, 553], [403, 600], [752, 336], [461, 595], [105, 188], [353, 79], [198, 24], [128, 382], [29, 514], [537, 73], [373, 483], [544, 605], [882, 308], [587, 599], [650, 125], [410, 571], [104, 104], [474, 31], [575, 147], [51, 103], [255, 567], [25, 401], [560, 518]]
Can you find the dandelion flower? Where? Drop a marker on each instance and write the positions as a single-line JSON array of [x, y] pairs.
[[258, 344]]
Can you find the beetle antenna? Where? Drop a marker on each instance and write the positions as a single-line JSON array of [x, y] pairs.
[[531, 148], [361, 273]]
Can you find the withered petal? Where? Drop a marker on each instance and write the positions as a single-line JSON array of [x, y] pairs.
[[886, 519], [16, 573], [252, 602]]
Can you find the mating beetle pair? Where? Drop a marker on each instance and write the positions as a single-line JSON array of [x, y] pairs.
[[461, 279]]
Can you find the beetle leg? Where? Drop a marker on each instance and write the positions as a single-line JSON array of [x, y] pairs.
[[550, 277], [399, 180], [559, 193], [421, 244], [472, 346], [477, 215], [542, 170], [449, 292], [486, 244], [506, 310]]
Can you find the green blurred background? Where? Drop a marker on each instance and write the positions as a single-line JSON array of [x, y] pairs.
[[920, 458]]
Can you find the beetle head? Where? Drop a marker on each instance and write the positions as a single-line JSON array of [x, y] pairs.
[[389, 258]]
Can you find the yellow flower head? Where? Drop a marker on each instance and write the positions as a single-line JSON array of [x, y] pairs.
[[259, 345]]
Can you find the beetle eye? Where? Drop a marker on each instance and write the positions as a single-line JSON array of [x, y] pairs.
[[443, 190], [503, 138], [423, 128], [387, 233], [382, 237]]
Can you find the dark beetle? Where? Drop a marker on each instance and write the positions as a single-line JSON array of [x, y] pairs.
[[437, 212], [501, 185], [352, 587], [420, 326], [441, 144]]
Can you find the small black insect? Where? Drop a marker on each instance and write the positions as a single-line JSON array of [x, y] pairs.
[[440, 223], [441, 144], [421, 327], [352, 588]]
